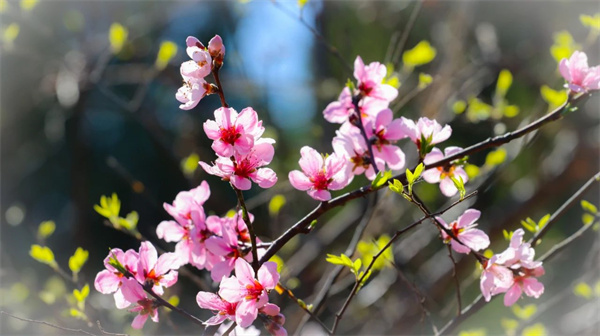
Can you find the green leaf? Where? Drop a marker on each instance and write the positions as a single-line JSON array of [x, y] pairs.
[[459, 106], [554, 98], [507, 234], [109, 207], [350, 85], [524, 313], [592, 22], [488, 253], [505, 80], [543, 221], [42, 254], [496, 157], [589, 207], [424, 80], [46, 229], [341, 260], [393, 81], [81, 295], [473, 332], [130, 222], [189, 164], [312, 224], [77, 260], [460, 185], [76, 313], [511, 111], [587, 219], [421, 54], [302, 3], [583, 290], [396, 186], [356, 265], [411, 177], [564, 45], [117, 36], [509, 325], [381, 178], [174, 300], [478, 110], [472, 171], [166, 52], [529, 225], [537, 329], [280, 265], [275, 204]]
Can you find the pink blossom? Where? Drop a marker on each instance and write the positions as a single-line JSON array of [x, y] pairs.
[[464, 229], [109, 280], [187, 207], [192, 91], [350, 144], [425, 130], [579, 76], [495, 279], [216, 48], [226, 247], [233, 132], [246, 167], [225, 310], [341, 110], [319, 175], [386, 131], [370, 80], [201, 64], [250, 292], [443, 174], [157, 271], [274, 320], [144, 306]]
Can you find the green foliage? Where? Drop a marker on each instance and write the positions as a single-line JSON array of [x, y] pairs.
[[174, 300], [46, 229], [524, 313], [77, 260], [507, 234], [381, 179], [509, 325], [504, 83], [592, 22], [130, 222], [533, 227], [459, 106], [117, 37], [563, 46], [275, 204], [589, 207], [10, 33], [109, 207], [472, 171], [424, 80], [367, 249], [421, 54], [583, 290], [554, 98], [28, 5], [460, 185], [43, 254], [81, 295], [166, 52], [189, 164], [280, 265], [473, 332], [411, 177], [495, 158], [354, 266], [396, 186], [537, 329]]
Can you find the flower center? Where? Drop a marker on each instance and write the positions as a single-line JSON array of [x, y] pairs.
[[229, 135], [253, 291], [320, 181]]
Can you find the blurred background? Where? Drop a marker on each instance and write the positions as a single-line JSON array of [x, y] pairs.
[[87, 100]]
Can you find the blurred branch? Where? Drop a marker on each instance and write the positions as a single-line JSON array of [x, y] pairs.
[[78, 331], [406, 32], [456, 281], [250, 227]]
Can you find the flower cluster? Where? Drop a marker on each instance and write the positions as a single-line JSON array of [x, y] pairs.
[[513, 272], [464, 230], [367, 123], [126, 273], [212, 243], [203, 61], [240, 149], [245, 295]]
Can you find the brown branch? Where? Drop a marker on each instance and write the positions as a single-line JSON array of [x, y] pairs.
[[456, 281], [250, 227], [361, 127], [79, 331], [106, 332], [215, 74], [301, 304]]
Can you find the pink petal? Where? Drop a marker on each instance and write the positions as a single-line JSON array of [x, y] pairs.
[[139, 321], [265, 178], [212, 130], [120, 301], [106, 282], [241, 183], [320, 195], [268, 275], [244, 272], [246, 313], [166, 261], [512, 295], [170, 231], [132, 291], [447, 187], [299, 181], [148, 257], [231, 290], [532, 287], [475, 239], [222, 148], [468, 217], [311, 161], [212, 301]]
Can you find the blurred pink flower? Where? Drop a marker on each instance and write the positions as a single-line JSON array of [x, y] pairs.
[[319, 175], [225, 310], [144, 306], [579, 76]]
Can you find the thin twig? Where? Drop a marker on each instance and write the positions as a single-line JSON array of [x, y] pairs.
[[301, 304], [106, 332], [361, 127], [250, 227], [406, 32], [215, 74], [230, 329], [456, 281], [163, 302], [398, 233], [79, 331]]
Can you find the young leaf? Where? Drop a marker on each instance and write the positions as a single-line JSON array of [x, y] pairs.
[[381, 178], [46, 229], [77, 260], [537, 329], [130, 222], [583, 290], [81, 295], [117, 37], [422, 53], [166, 52], [396, 186], [42, 254], [543, 221], [529, 225], [275, 204], [341, 260], [424, 80], [524, 313], [589, 207], [460, 185], [505, 79], [496, 157]]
